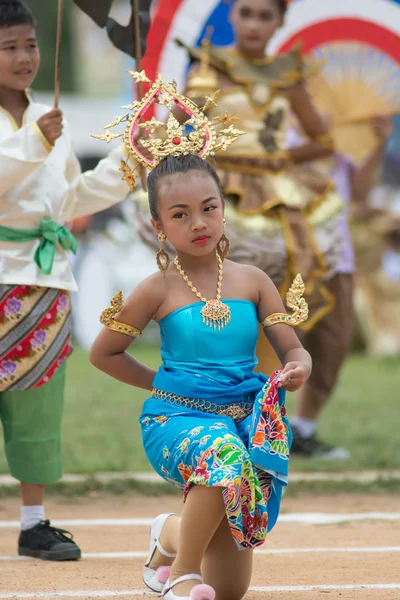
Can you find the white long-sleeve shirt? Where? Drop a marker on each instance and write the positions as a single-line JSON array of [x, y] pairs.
[[40, 181]]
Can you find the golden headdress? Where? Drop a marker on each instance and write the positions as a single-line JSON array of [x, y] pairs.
[[198, 135]]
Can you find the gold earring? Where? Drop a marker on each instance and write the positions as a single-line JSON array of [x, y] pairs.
[[162, 257], [223, 244]]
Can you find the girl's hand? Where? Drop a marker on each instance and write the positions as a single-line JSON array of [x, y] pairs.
[[294, 375]]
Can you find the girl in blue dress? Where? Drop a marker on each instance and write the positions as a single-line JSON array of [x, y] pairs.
[[211, 426]]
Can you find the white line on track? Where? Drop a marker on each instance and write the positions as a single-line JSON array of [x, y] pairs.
[[301, 518], [270, 551], [121, 593], [151, 477]]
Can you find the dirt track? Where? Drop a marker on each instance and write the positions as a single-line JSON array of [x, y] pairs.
[[375, 561]]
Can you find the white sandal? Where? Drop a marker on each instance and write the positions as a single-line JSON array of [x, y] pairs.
[[156, 578], [198, 592]]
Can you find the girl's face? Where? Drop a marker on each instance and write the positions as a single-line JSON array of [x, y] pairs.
[[254, 23], [190, 212]]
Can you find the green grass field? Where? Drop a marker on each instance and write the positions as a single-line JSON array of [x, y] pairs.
[[101, 430]]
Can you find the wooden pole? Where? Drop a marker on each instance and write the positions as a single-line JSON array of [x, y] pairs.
[[138, 58], [138, 49], [58, 49]]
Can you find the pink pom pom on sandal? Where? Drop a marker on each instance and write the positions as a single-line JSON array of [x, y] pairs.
[[199, 592]]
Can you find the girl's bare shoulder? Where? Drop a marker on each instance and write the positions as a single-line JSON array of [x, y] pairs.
[[153, 289], [250, 273], [247, 282]]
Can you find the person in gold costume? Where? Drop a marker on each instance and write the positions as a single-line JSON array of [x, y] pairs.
[[281, 216]]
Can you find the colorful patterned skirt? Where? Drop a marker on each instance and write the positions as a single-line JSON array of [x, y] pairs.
[[35, 337], [248, 458]]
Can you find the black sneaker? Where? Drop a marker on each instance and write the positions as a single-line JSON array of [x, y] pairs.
[[48, 543], [311, 447]]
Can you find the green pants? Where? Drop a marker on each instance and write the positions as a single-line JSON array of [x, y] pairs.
[[32, 430]]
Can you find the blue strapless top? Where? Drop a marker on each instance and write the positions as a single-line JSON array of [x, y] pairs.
[[199, 362]]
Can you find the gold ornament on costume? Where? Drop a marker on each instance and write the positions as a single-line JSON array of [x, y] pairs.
[[215, 313], [107, 318], [223, 244], [294, 300], [139, 77], [325, 139], [226, 119], [162, 258], [205, 137], [128, 175], [132, 106], [117, 121], [204, 80], [211, 101], [107, 137]]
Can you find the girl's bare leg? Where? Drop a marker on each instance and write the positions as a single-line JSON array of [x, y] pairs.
[[202, 515], [226, 568]]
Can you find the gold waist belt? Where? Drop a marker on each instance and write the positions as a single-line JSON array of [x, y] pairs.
[[236, 411]]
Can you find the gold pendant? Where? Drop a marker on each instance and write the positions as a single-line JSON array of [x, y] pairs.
[[216, 314]]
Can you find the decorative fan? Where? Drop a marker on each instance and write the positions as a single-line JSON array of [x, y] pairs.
[[359, 77], [358, 40]]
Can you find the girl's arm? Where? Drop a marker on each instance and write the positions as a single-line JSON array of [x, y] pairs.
[[295, 360], [108, 352], [320, 144]]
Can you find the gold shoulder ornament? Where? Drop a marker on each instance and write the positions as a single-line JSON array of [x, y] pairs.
[[294, 300], [107, 318]]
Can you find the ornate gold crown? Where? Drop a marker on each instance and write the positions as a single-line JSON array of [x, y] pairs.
[[203, 138]]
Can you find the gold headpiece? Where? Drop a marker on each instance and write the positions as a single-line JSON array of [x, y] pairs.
[[107, 318], [203, 138], [294, 300], [204, 80]]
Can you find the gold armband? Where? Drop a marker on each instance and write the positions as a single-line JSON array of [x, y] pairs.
[[107, 318], [325, 139], [294, 300]]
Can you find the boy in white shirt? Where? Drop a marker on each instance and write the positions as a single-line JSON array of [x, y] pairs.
[[41, 187]]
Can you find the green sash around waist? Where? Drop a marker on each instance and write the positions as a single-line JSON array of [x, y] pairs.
[[49, 233]]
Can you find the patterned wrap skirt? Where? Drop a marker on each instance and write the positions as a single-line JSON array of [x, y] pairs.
[[35, 326], [247, 458]]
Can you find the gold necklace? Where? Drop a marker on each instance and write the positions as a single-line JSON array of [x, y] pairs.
[[215, 313]]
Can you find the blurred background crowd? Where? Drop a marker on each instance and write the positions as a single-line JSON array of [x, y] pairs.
[[111, 254]]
